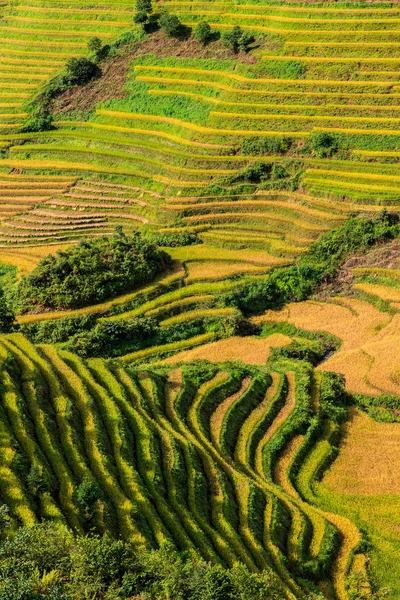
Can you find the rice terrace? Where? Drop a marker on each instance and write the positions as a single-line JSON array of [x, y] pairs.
[[199, 300]]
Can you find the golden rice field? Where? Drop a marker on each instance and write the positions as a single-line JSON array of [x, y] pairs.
[[214, 435]]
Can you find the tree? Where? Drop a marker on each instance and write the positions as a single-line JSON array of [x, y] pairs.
[[231, 38], [324, 144], [86, 496], [7, 316], [202, 33], [170, 24], [39, 120], [91, 272], [144, 6], [80, 71], [246, 39], [141, 18], [94, 45]]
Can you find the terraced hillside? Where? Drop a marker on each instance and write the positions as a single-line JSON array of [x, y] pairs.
[[215, 459], [226, 406]]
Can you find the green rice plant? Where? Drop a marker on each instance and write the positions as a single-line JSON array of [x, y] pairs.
[[138, 424], [30, 388], [99, 466]]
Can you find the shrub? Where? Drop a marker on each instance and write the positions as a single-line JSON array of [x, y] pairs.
[[39, 120], [255, 173], [270, 145], [80, 71], [141, 17], [231, 39], [91, 272], [94, 45], [202, 33], [144, 6], [172, 240], [114, 337], [245, 41], [170, 24], [7, 316], [324, 144], [86, 496]]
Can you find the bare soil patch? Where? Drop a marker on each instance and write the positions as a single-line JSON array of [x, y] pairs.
[[383, 256], [111, 84]]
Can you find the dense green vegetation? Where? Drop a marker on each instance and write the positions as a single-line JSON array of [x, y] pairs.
[[91, 272], [47, 562], [197, 164]]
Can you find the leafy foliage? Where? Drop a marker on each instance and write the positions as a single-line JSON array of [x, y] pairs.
[[269, 145], [91, 272], [202, 33], [172, 240], [170, 24], [47, 562], [297, 282], [7, 316]]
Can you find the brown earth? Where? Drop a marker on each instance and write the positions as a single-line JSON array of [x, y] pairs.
[[111, 84], [383, 256]]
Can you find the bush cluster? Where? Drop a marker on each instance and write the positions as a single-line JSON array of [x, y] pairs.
[[91, 272], [172, 240], [297, 282], [46, 562]]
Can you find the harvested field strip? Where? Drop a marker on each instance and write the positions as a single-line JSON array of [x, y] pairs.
[[261, 80], [194, 127], [334, 183], [198, 314], [219, 270], [115, 154], [255, 203], [264, 93], [294, 8], [88, 168], [154, 133], [168, 348], [366, 174], [384, 292], [326, 106], [178, 304], [298, 117], [222, 217]]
